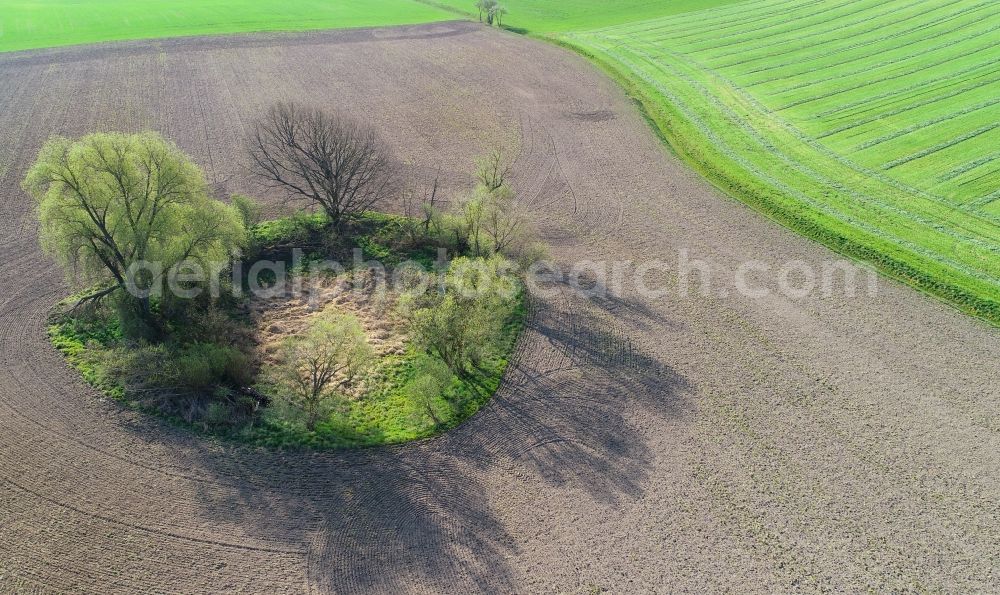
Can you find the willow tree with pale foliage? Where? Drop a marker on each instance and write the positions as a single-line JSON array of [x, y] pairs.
[[110, 203]]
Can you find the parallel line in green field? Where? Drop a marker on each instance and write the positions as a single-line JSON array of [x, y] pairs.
[[819, 207], [659, 32], [782, 19], [975, 204], [978, 83], [922, 171], [797, 26], [892, 77], [871, 202], [836, 157], [914, 87], [908, 107], [680, 22], [810, 141], [869, 100], [926, 123], [867, 43], [991, 45], [988, 160], [919, 41], [877, 200], [984, 201], [940, 146]]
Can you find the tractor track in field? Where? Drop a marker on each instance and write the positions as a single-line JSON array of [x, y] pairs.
[[637, 445]]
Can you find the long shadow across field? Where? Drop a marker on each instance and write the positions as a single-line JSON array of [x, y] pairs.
[[434, 512]]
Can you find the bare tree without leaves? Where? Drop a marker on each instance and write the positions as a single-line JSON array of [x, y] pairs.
[[340, 165]]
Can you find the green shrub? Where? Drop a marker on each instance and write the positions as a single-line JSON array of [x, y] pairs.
[[426, 390], [217, 414], [298, 228], [249, 210], [222, 326], [463, 324], [204, 366], [190, 370], [319, 367]]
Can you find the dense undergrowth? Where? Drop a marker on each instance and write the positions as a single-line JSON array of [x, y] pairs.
[[208, 376]]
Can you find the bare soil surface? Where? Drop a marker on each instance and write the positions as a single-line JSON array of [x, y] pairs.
[[715, 443]]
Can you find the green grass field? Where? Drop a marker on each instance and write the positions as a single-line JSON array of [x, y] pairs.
[[870, 125], [550, 16], [27, 24]]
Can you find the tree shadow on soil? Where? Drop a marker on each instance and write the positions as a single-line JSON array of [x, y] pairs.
[[429, 513], [570, 402], [371, 520]]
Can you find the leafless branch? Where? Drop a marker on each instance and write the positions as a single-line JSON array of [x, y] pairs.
[[340, 165]]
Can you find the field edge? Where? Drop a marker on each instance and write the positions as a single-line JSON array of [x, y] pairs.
[[657, 114]]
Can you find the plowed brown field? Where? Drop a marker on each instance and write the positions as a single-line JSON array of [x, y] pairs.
[[638, 445]]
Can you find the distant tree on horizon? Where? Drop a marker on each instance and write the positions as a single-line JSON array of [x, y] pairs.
[[492, 11]]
